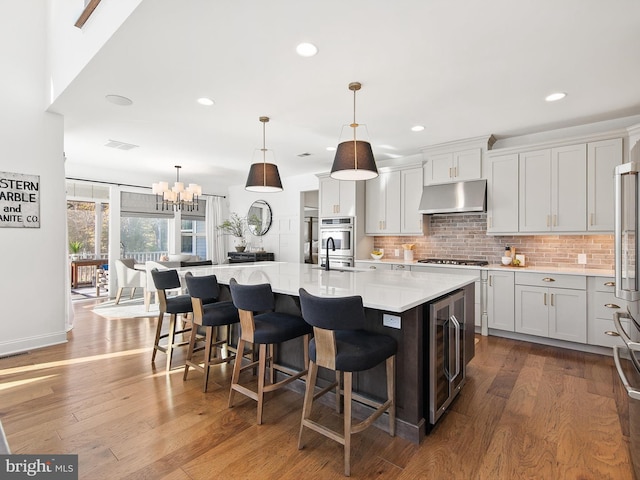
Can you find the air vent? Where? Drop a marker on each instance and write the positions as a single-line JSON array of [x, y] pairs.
[[120, 145], [305, 154]]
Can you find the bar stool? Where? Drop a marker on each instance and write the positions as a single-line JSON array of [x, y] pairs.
[[173, 305], [341, 344], [264, 329], [208, 315]]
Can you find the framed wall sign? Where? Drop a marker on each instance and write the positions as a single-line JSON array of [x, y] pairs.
[[19, 200]]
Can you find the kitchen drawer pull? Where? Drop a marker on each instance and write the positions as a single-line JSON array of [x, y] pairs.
[[611, 305], [612, 333], [609, 284], [633, 393], [400, 267], [372, 267], [548, 279]]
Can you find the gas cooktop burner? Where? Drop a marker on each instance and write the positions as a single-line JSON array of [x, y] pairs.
[[442, 261]]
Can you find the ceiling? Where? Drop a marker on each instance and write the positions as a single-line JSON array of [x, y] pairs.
[[460, 69]]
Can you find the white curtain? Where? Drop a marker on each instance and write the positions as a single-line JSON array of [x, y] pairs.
[[215, 237]]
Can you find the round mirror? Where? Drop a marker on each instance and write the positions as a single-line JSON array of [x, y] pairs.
[[259, 218]]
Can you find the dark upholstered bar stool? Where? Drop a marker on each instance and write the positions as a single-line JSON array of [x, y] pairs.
[[208, 315], [340, 343], [261, 325], [173, 305]]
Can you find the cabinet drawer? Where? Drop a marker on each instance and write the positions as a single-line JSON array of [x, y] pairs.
[[604, 304], [578, 282], [605, 284], [376, 266], [598, 326]]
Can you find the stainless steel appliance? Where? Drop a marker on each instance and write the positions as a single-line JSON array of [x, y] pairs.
[[627, 287], [457, 197], [444, 353], [453, 261], [341, 229]]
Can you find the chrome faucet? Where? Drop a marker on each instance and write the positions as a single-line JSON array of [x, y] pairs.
[[333, 248]]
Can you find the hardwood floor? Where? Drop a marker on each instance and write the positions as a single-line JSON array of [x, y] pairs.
[[527, 411]]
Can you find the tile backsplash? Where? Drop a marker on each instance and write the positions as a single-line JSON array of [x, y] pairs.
[[465, 237]]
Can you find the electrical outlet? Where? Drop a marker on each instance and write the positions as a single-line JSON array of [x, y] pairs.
[[392, 321], [582, 259], [396, 252]]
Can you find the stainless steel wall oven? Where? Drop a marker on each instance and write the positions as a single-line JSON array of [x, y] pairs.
[[341, 229]]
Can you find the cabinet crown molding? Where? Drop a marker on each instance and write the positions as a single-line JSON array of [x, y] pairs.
[[484, 142]]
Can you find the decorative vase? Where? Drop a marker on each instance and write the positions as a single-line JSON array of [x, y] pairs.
[[240, 244], [240, 248]]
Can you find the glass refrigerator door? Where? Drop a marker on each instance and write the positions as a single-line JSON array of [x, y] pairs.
[[626, 234]]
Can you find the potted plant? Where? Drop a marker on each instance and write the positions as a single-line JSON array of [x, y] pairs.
[[236, 226], [74, 248]]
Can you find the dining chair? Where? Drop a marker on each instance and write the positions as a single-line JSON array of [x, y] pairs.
[[209, 314], [341, 343], [262, 326], [128, 277]]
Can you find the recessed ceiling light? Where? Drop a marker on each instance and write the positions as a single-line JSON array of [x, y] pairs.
[[207, 102], [119, 100], [306, 49], [331, 149], [554, 97], [417, 128]]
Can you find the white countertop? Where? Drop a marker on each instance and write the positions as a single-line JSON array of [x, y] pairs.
[[393, 291], [577, 270]]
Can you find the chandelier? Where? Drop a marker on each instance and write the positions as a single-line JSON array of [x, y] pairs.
[[178, 197]]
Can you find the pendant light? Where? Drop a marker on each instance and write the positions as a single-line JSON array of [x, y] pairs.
[[354, 158], [263, 177]]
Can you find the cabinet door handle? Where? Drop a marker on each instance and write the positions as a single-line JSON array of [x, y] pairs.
[[548, 279], [555, 220], [490, 277], [591, 219], [450, 173], [548, 221], [455, 171], [545, 299], [609, 284], [611, 305], [552, 299]]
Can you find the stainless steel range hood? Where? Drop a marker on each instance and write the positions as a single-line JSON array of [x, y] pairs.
[[458, 197]]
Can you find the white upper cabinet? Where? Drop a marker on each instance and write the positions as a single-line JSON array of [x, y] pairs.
[[453, 166], [337, 197], [392, 201], [502, 194], [602, 157], [383, 204], [553, 190], [411, 222]]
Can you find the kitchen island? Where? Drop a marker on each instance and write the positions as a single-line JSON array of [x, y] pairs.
[[396, 304]]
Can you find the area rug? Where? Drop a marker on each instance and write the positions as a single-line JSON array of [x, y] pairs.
[[125, 309]]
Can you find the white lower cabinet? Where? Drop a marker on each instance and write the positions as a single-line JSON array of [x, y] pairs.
[[602, 305], [374, 266], [556, 312], [500, 300]]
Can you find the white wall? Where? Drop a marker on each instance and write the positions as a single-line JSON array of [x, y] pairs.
[[284, 238], [71, 48], [33, 262]]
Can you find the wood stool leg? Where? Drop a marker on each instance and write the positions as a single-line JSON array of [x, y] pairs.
[[272, 371], [338, 406], [348, 377], [391, 393], [262, 366], [192, 344], [207, 353], [308, 398], [158, 334], [133, 292], [171, 339], [236, 370]]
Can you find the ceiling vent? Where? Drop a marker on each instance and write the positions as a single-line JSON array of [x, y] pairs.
[[120, 145], [305, 154]]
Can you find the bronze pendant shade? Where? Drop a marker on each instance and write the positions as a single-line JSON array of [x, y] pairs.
[[354, 158], [264, 177]]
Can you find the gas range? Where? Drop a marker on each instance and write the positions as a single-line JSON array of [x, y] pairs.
[[442, 261]]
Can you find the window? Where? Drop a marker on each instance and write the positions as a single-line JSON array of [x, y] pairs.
[[83, 228], [194, 238], [143, 238]]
